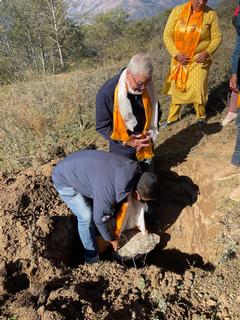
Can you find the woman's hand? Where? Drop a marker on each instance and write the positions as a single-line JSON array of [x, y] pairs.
[[202, 56], [181, 58], [233, 83]]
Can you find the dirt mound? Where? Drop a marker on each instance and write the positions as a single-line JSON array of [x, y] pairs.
[[191, 274]]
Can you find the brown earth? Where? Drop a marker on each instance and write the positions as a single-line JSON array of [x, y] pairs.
[[192, 274]]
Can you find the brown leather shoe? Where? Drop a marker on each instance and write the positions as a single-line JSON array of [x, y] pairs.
[[227, 173], [235, 195]]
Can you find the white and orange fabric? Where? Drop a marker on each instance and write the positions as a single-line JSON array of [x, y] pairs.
[[130, 216], [124, 119]]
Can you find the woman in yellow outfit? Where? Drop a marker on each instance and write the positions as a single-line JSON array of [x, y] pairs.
[[191, 36]]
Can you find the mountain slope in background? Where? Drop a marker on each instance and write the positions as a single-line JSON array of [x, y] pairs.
[[137, 9]]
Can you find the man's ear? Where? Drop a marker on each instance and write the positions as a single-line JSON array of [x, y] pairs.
[[137, 195]]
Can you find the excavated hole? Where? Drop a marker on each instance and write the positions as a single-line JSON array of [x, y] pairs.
[[175, 193], [25, 201], [16, 283], [176, 261], [63, 245]]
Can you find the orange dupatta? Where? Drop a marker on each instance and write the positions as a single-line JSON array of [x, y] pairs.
[[119, 127], [238, 100], [186, 38], [121, 214]]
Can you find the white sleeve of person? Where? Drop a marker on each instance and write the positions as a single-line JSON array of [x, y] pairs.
[[153, 130], [134, 217]]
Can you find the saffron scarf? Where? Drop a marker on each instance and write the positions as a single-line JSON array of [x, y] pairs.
[[121, 214], [238, 100], [186, 38], [123, 118]]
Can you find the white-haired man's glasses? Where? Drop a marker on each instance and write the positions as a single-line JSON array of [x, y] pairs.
[[140, 84]]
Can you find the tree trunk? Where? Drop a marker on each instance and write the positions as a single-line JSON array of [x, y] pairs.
[[52, 58], [11, 57], [56, 33], [42, 53], [32, 50]]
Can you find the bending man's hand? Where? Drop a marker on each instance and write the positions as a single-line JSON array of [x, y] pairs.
[[202, 56], [114, 244], [181, 58]]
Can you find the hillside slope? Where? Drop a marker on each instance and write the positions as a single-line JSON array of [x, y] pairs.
[[193, 274], [196, 276]]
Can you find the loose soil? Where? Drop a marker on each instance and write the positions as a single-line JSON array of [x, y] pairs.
[[193, 273]]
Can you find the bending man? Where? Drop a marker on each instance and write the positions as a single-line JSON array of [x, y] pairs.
[[94, 185]]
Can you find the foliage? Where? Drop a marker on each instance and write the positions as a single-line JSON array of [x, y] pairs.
[[107, 29], [36, 37], [55, 113], [13, 318], [41, 118]]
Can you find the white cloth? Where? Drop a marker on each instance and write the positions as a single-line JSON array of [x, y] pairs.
[[134, 217], [126, 111]]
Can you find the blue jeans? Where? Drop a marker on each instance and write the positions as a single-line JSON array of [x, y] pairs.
[[81, 207], [236, 154]]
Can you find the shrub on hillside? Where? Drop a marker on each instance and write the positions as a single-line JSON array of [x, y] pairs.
[[56, 113]]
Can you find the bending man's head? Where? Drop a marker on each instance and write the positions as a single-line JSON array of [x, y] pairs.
[[139, 73], [146, 188]]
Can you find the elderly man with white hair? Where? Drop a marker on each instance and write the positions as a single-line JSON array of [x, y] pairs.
[[127, 110]]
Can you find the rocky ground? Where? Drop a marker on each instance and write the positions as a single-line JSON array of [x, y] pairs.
[[193, 273]]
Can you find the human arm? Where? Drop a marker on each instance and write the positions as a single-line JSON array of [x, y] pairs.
[[104, 221], [168, 38], [202, 56], [103, 217], [215, 35], [107, 230], [233, 83], [168, 34], [235, 56], [104, 114]]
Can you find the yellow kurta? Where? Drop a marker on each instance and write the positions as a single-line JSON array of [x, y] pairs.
[[197, 82]]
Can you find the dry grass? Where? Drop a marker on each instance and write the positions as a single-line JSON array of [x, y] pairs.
[[39, 118], [42, 118]]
